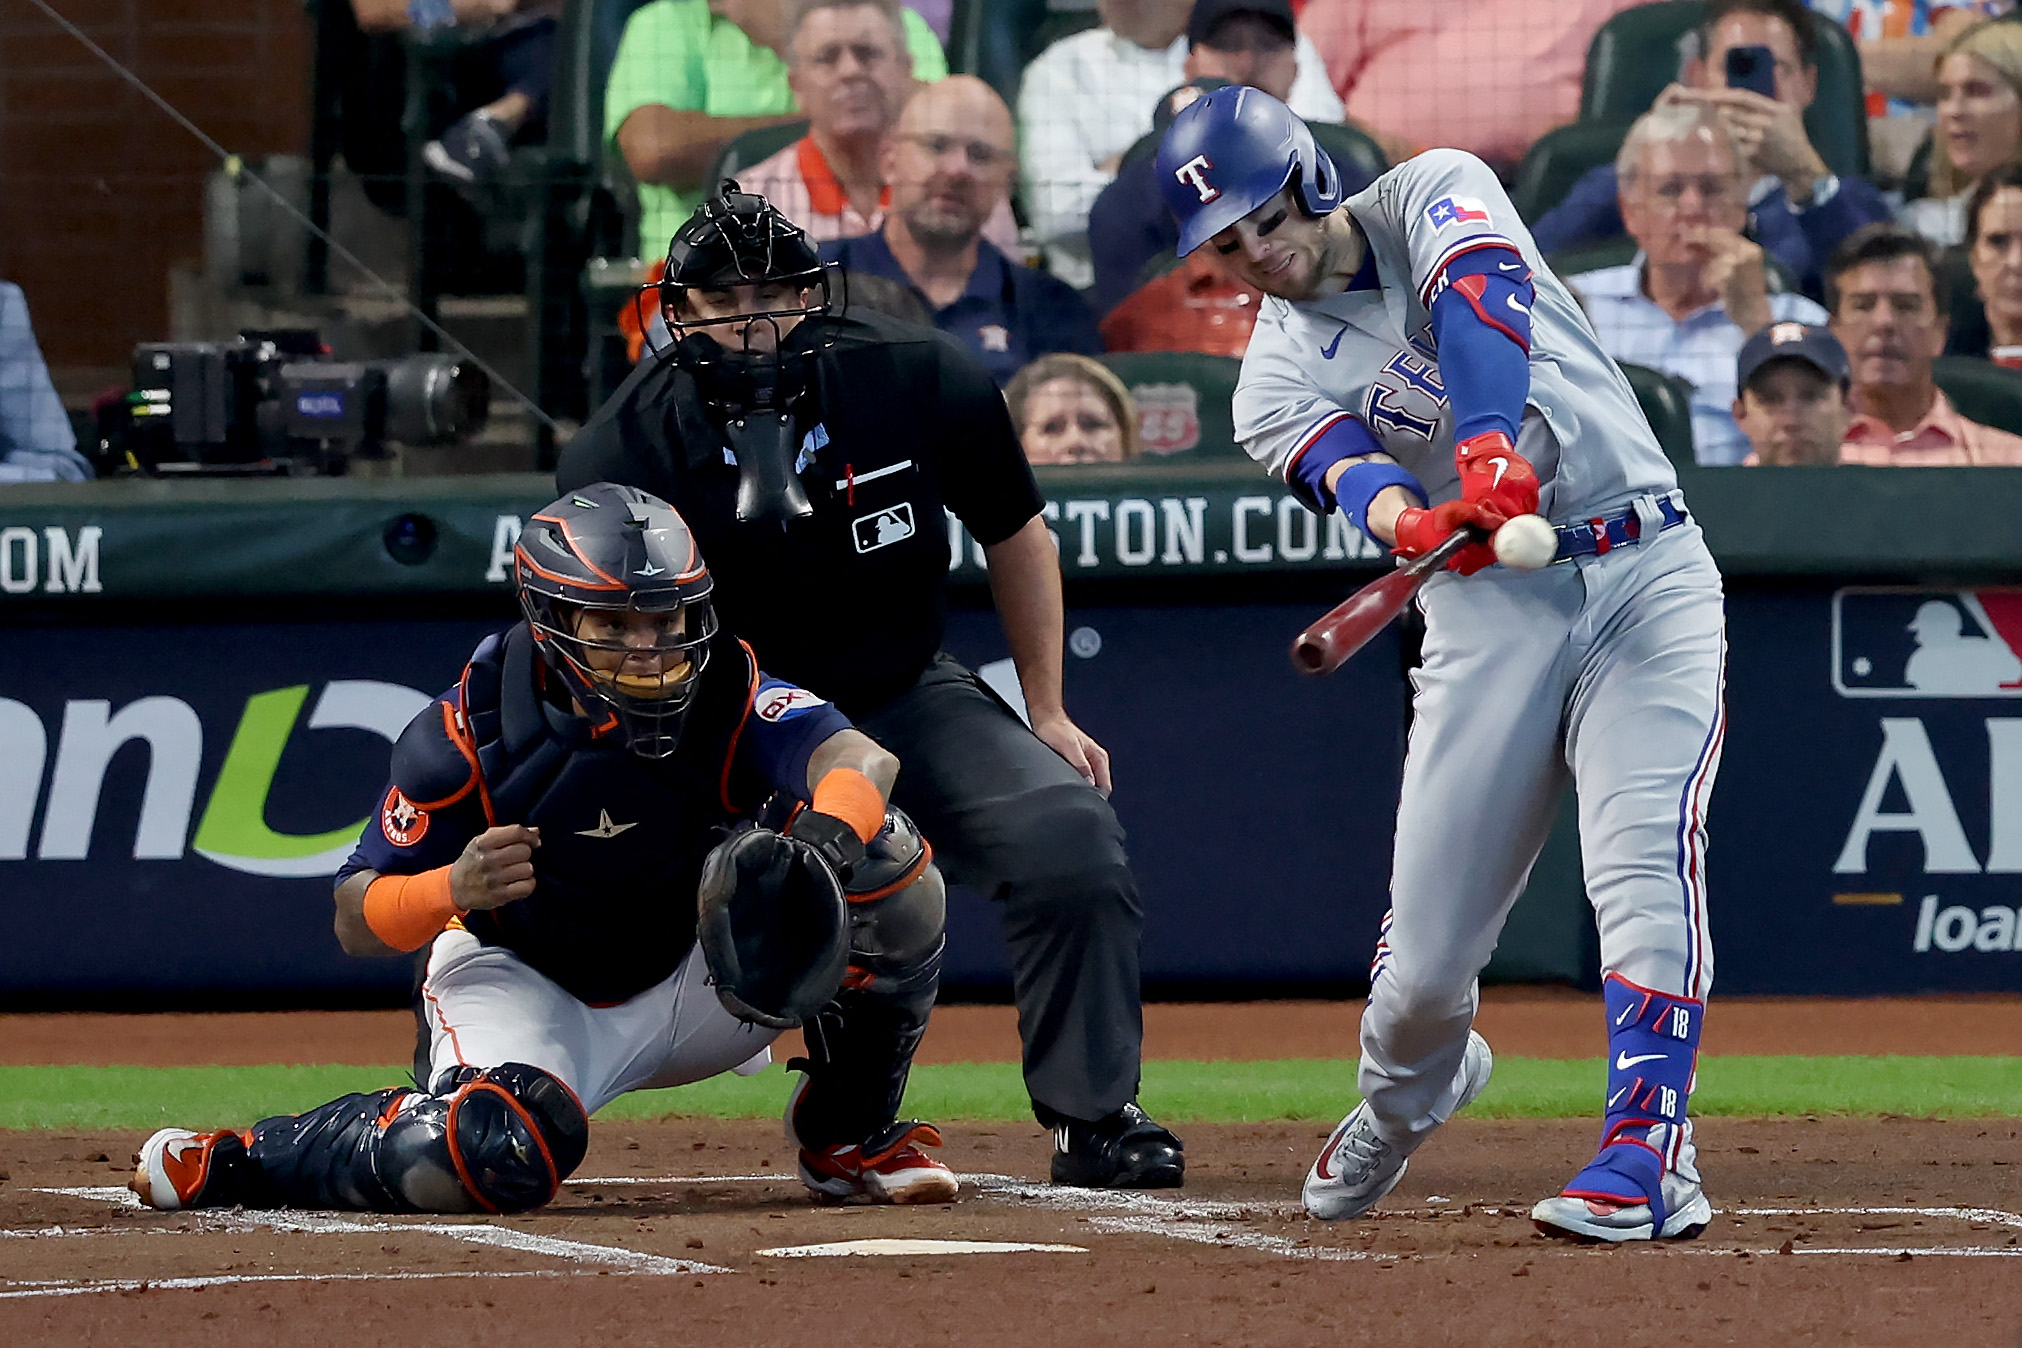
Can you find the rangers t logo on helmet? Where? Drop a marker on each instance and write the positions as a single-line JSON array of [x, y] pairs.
[[1194, 173]]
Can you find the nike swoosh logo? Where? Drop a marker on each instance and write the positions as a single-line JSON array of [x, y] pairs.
[[1616, 1096], [1511, 301], [1320, 1166], [1501, 467], [1327, 351], [1627, 1012], [1509, 266], [1623, 1062]]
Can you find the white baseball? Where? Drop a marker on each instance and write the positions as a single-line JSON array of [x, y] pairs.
[[1525, 543]]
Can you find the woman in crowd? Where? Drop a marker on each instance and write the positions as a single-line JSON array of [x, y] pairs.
[[1979, 125], [1993, 326], [1070, 409]]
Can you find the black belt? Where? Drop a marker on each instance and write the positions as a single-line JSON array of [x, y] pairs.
[[1601, 535]]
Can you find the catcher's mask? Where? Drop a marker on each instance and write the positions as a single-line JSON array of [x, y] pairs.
[[617, 595]]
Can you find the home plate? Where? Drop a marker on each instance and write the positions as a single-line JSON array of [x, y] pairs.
[[919, 1247]]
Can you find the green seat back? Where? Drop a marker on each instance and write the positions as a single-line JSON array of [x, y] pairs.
[[1635, 54], [995, 39], [1667, 405], [741, 151], [1183, 401], [1557, 159], [1982, 391]]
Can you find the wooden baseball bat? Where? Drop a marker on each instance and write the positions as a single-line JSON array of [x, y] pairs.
[[1347, 627]]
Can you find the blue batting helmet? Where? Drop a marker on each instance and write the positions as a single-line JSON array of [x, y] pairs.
[[1229, 153]]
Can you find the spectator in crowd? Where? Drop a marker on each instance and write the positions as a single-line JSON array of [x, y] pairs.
[[691, 75], [1901, 41], [513, 61], [1089, 97], [949, 163], [1979, 125], [847, 64], [1489, 77], [1698, 287], [1070, 409], [1992, 326], [1793, 405], [1887, 311], [1797, 208], [36, 441]]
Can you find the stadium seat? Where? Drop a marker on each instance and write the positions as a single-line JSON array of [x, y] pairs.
[[1667, 405], [1982, 391], [760, 143], [1344, 143], [995, 39], [1556, 160], [1183, 401], [1636, 53]]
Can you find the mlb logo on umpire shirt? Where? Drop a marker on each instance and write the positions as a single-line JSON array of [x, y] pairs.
[[894, 524], [1927, 643]]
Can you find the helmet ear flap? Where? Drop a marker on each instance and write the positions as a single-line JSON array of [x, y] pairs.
[[1319, 179]]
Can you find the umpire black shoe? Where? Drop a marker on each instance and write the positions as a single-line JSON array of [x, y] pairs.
[[1124, 1151]]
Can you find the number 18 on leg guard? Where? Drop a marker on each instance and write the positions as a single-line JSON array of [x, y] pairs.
[[1643, 1184]]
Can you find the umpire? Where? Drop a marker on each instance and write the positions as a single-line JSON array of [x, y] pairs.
[[812, 452]]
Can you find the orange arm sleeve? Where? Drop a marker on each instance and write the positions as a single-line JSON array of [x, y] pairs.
[[408, 911], [851, 797]]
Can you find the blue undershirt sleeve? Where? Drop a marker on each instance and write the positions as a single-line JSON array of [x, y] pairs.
[[1481, 322]]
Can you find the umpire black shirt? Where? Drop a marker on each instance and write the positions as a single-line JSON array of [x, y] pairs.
[[850, 601]]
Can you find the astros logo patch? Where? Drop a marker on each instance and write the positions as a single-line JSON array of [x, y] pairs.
[[402, 821]]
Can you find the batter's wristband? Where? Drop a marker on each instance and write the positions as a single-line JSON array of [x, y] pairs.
[[1357, 488], [409, 911], [853, 798]]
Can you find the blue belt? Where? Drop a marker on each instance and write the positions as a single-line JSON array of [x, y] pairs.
[[1601, 535]]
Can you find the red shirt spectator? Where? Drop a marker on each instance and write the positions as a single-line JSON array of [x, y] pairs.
[[1191, 308]]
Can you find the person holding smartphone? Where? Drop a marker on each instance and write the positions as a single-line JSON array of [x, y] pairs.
[[1756, 70]]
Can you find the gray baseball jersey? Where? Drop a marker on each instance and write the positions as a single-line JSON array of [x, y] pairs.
[[1369, 354], [1603, 672]]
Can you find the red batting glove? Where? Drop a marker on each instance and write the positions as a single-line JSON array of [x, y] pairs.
[[1496, 478], [1419, 531]]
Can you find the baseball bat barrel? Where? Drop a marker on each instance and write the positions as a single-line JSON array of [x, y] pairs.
[[1348, 626]]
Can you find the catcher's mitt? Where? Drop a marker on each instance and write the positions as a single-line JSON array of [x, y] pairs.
[[774, 928]]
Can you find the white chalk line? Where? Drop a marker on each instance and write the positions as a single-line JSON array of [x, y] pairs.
[[82, 1288]]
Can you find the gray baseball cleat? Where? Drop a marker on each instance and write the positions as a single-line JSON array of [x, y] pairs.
[[1686, 1213], [1357, 1167]]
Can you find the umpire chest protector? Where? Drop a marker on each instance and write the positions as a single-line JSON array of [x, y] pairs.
[[623, 838]]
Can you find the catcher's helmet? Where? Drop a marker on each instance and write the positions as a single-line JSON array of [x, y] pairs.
[[618, 550], [1228, 153]]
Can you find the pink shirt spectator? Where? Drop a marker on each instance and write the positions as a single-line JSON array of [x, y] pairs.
[[1943, 439], [1489, 76], [799, 181]]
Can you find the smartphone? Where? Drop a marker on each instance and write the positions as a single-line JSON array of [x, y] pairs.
[[1753, 69]]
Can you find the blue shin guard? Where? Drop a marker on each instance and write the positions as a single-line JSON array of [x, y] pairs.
[[1653, 1046]]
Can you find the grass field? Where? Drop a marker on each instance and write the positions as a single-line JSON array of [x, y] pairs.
[[143, 1098]]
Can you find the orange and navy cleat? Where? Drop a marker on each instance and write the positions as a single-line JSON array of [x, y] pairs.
[[889, 1168], [174, 1168]]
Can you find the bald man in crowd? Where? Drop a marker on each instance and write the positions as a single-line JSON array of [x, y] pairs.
[[949, 163]]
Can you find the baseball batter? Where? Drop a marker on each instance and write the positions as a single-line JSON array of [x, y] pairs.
[[1418, 367]]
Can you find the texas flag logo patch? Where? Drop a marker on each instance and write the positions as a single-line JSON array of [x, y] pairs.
[[1456, 211]]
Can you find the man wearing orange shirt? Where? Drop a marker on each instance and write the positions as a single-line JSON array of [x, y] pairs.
[[1887, 311]]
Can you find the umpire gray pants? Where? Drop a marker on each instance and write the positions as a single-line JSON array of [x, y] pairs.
[[1007, 816]]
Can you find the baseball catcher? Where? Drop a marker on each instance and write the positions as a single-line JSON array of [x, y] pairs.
[[632, 859]]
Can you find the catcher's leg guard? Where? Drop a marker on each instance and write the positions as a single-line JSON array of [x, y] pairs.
[[860, 1046], [499, 1140], [1646, 1156]]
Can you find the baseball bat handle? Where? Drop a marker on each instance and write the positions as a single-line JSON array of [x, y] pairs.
[[1348, 626]]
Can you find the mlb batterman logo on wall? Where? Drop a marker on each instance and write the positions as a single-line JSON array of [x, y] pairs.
[[1940, 649]]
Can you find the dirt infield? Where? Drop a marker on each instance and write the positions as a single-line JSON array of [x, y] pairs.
[[1872, 1232]]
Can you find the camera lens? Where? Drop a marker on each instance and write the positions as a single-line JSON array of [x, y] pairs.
[[434, 399], [410, 539]]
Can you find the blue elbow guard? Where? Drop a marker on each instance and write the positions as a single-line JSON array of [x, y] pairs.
[[1342, 438], [1358, 487]]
